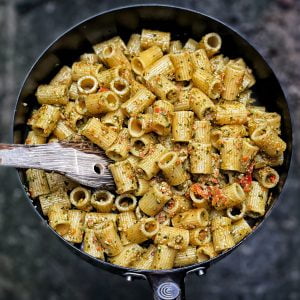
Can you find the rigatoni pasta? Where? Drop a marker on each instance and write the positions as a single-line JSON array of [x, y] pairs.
[[192, 156]]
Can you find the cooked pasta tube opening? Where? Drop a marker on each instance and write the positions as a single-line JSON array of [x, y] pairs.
[[39, 130], [137, 65], [119, 86], [135, 127], [168, 160], [87, 84], [139, 148], [215, 137], [212, 41], [114, 155], [80, 197], [198, 201], [171, 207], [112, 101], [271, 179], [62, 228], [102, 200], [237, 212], [150, 227], [200, 236], [239, 191], [126, 202], [172, 95], [215, 89], [108, 51], [80, 106]]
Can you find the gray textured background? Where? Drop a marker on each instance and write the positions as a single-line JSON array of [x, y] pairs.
[[34, 265]]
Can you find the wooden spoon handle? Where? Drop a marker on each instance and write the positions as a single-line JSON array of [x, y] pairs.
[[86, 168]]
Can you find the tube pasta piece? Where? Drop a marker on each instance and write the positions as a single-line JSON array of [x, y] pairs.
[[161, 124], [87, 85], [143, 186], [182, 126], [148, 165], [140, 146], [200, 236], [191, 219], [44, 120], [202, 131], [125, 220], [173, 237], [202, 106], [182, 64], [113, 56], [143, 230], [119, 149], [62, 131], [155, 198], [80, 197], [80, 105], [94, 220], [191, 45], [124, 176], [231, 113], [129, 254], [63, 77], [268, 141], [102, 102], [163, 66], [76, 220], [151, 38], [134, 45], [73, 118], [172, 168], [232, 195], [34, 139], [197, 200], [133, 160], [218, 64], [105, 77], [116, 40], [163, 88], [256, 200], [145, 59], [262, 160], [185, 257], [100, 134], [267, 177], [205, 252], [200, 158], [172, 207], [37, 181], [200, 60], [82, 68], [183, 102], [137, 125], [146, 259], [126, 202], [248, 153], [237, 212], [207, 83], [120, 87], [272, 120], [221, 234], [91, 245], [164, 258], [233, 79], [73, 91], [114, 119], [57, 181], [175, 46], [90, 58], [240, 229], [231, 153], [59, 196], [184, 203], [109, 239], [58, 219], [53, 94], [211, 43], [138, 103], [102, 201]]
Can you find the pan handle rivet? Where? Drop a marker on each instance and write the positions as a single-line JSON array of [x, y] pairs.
[[129, 278], [201, 272]]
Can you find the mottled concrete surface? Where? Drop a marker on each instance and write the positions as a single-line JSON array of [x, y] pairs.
[[34, 265]]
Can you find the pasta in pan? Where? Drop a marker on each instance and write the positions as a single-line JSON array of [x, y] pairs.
[[194, 157]]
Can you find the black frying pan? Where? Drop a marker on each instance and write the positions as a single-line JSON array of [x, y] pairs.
[[182, 23]]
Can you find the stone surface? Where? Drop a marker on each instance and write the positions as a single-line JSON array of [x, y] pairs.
[[34, 265]]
